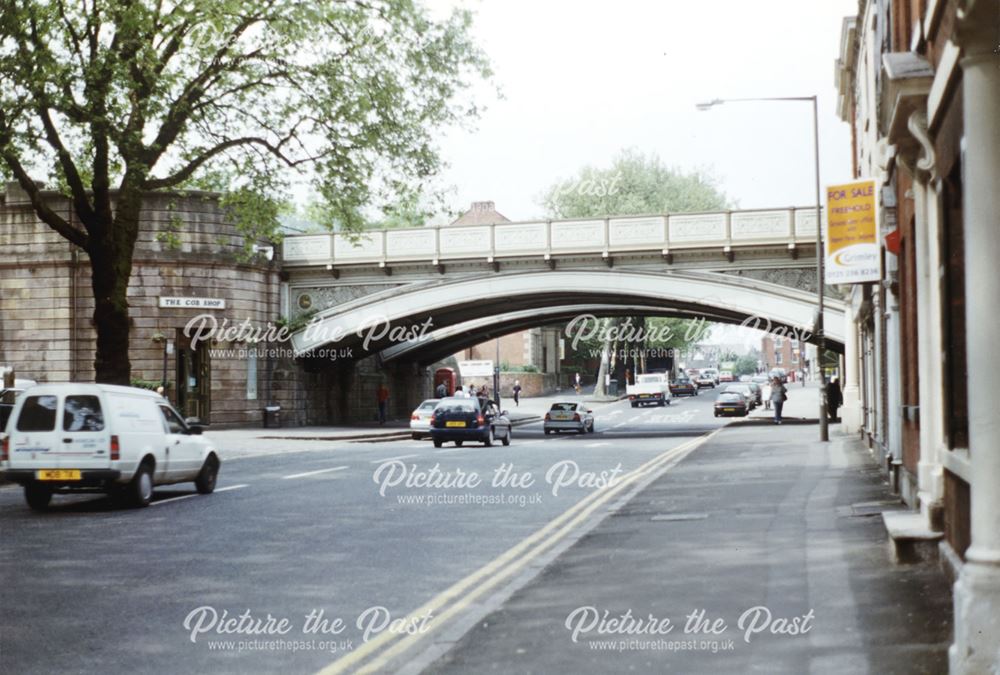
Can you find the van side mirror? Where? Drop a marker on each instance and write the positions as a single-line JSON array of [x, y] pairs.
[[194, 425]]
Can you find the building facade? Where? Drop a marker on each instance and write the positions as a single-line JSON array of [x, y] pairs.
[[919, 83], [190, 261]]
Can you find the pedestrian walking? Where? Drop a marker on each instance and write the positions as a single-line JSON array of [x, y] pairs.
[[383, 402], [778, 398], [576, 384], [834, 398], [517, 392], [766, 394]]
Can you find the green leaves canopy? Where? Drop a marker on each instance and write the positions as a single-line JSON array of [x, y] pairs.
[[634, 184], [229, 94]]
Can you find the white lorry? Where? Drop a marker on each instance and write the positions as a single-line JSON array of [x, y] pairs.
[[649, 389]]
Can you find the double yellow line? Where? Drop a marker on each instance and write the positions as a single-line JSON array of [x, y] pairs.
[[387, 646]]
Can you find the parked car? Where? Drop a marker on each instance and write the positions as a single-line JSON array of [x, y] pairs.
[[649, 388], [757, 393], [120, 440], [420, 419], [683, 386], [711, 373], [731, 403], [760, 380], [469, 419], [744, 389], [744, 378], [569, 416], [725, 376]]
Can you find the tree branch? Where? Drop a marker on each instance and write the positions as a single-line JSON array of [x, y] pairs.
[[43, 210]]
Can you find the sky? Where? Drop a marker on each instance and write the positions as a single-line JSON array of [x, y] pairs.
[[582, 80]]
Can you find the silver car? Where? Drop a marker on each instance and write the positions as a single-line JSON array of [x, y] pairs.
[[569, 416], [420, 419]]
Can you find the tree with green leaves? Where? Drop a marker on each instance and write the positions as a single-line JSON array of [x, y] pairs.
[[109, 100], [634, 184]]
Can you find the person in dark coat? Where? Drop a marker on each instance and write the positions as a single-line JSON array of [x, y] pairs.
[[442, 390], [517, 392], [834, 398]]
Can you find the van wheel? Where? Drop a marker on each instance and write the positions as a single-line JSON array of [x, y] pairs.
[[37, 496], [488, 441], [437, 443], [506, 439], [205, 482], [458, 444], [140, 489]]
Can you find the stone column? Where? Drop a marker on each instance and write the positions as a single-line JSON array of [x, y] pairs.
[[850, 414], [930, 483], [977, 593]]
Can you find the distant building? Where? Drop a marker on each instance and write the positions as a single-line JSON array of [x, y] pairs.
[[781, 352]]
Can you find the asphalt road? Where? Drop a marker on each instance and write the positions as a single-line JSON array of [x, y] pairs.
[[88, 588]]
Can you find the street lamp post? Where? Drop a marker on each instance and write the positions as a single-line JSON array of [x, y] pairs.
[[824, 433]]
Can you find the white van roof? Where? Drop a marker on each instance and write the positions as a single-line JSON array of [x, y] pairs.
[[56, 388]]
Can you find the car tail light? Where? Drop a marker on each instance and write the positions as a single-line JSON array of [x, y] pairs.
[[480, 421], [415, 416], [576, 417], [433, 419], [5, 449], [547, 418], [115, 449]]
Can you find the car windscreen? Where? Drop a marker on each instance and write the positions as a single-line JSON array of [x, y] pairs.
[[457, 405], [648, 379], [428, 405], [730, 396], [38, 414], [567, 407]]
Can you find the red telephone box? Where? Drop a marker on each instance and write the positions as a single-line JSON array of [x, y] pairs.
[[448, 377]]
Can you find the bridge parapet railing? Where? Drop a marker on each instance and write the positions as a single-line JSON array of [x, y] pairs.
[[724, 230]]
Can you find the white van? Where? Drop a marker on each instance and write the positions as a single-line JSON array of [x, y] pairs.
[[102, 438]]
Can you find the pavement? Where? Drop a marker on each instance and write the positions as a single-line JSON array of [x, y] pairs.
[[759, 529]]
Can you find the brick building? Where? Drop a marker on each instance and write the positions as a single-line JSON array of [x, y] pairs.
[[919, 83]]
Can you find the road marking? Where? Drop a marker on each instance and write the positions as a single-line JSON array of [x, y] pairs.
[[174, 499], [596, 445], [195, 494], [313, 473], [391, 459], [450, 450], [500, 568]]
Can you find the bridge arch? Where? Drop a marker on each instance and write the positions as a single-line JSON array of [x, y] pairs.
[[480, 303]]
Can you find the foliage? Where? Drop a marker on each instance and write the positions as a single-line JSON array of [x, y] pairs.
[[527, 368], [152, 385], [634, 183], [237, 96], [745, 365]]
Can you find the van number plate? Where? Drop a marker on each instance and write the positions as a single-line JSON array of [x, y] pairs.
[[58, 474]]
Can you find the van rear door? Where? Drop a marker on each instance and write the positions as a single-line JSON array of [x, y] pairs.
[[86, 442], [34, 439]]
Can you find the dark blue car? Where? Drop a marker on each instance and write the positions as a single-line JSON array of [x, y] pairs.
[[469, 419]]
